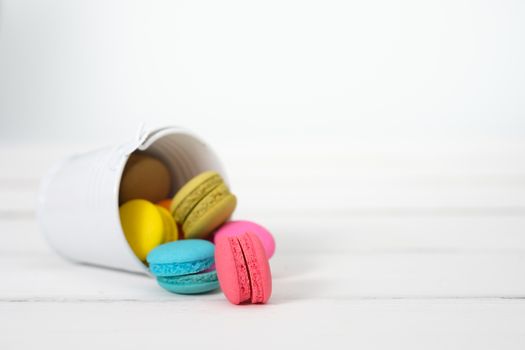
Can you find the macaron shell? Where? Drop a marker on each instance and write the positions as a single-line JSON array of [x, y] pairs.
[[181, 257], [192, 193], [142, 225], [232, 270], [258, 267], [183, 251], [210, 213], [144, 177], [238, 227], [171, 232]]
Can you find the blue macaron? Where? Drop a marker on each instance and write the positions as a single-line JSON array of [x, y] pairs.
[[183, 266], [190, 284]]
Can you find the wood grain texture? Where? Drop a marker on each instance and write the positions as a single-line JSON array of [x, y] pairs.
[[199, 324], [408, 253], [311, 181]]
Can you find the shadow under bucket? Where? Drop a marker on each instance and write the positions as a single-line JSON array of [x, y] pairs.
[[78, 202]]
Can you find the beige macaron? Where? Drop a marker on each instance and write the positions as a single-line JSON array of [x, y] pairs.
[[144, 177]]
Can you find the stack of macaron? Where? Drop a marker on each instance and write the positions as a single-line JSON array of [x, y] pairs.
[[188, 241], [203, 204], [144, 213]]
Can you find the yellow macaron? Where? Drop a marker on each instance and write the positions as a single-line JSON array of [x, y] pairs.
[[202, 205], [171, 232], [146, 226]]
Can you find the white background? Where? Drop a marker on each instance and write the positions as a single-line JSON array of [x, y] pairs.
[[298, 72], [381, 141]]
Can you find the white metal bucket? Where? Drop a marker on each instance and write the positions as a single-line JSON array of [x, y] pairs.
[[78, 209]]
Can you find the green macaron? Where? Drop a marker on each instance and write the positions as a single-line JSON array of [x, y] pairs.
[[202, 205]]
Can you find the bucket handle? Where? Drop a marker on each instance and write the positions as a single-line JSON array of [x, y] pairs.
[[142, 141]]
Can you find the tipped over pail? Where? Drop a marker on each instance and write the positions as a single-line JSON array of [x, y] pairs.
[[78, 202]]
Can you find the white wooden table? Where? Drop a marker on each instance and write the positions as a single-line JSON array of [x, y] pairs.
[[423, 249]]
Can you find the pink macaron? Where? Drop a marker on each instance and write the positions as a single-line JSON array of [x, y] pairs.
[[235, 228], [242, 269]]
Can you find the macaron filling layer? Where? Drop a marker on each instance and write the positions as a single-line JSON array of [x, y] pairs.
[[178, 269], [199, 277], [197, 283]]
